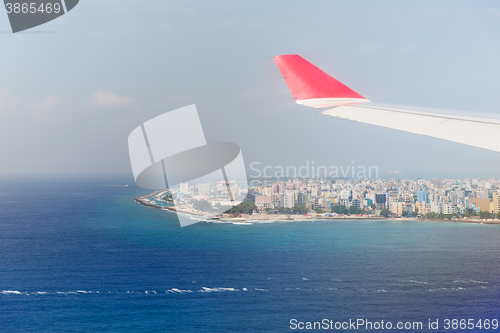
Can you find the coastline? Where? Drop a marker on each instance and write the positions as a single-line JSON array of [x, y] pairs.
[[265, 218]]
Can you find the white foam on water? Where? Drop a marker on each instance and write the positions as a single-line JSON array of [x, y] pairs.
[[145, 292], [479, 281], [12, 292], [211, 290], [421, 282], [178, 291]]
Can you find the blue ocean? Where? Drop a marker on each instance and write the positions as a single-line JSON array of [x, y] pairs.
[[82, 256]]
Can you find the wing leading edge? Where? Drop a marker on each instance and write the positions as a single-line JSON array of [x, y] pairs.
[[311, 87]]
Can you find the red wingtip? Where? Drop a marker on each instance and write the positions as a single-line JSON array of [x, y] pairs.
[[307, 81]]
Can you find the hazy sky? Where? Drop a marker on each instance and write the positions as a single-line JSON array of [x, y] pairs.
[[70, 97]]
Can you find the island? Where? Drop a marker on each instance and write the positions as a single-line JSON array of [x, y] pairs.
[[462, 200]]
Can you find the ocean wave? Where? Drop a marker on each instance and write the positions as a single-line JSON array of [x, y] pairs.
[[12, 292], [445, 289], [211, 290], [178, 291], [130, 292], [470, 281], [420, 282]]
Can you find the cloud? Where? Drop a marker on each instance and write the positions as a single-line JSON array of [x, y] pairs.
[[109, 99], [493, 11], [42, 109], [6, 101]]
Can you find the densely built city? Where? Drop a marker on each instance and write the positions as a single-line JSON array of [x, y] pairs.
[[398, 197], [436, 198]]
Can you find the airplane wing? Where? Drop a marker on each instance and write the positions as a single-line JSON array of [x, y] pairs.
[[312, 87]]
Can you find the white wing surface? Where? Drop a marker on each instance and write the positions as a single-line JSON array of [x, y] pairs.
[[314, 88]]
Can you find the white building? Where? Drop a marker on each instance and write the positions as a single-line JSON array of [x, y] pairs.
[[203, 188], [436, 207], [184, 187], [396, 208], [267, 191], [448, 208], [288, 199]]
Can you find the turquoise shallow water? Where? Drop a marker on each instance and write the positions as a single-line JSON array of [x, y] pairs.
[[81, 256]]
